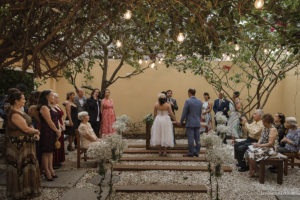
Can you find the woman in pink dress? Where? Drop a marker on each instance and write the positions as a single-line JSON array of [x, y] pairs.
[[108, 115]]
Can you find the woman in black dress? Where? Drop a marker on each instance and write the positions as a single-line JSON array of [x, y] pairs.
[[72, 116], [279, 120], [49, 132]]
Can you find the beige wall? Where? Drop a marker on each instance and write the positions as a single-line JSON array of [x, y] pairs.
[[136, 96]]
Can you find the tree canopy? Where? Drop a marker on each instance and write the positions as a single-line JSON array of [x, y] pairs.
[[47, 35]]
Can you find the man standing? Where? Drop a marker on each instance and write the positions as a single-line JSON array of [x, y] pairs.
[[253, 134], [221, 105], [174, 107], [80, 100], [191, 114]]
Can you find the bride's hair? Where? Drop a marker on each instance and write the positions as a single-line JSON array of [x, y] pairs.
[[162, 98]]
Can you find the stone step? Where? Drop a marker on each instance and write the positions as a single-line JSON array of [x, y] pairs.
[[199, 159], [161, 188], [176, 146], [144, 151], [121, 167]]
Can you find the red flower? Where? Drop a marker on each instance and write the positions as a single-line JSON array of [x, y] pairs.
[[227, 67]]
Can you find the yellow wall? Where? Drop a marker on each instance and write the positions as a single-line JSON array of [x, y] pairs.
[[136, 96]]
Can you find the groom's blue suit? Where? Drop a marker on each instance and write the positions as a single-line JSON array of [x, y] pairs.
[[191, 114]]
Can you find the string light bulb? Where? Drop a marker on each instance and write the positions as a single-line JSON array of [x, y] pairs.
[[236, 47], [140, 61], [259, 4], [128, 15], [265, 51], [159, 62], [146, 61], [152, 65], [118, 43], [180, 37]]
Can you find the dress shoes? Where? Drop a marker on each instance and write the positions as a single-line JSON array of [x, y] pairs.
[[243, 169]]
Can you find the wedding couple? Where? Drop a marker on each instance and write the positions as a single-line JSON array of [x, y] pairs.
[[162, 128]]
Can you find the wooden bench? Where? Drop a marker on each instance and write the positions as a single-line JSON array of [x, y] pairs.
[[80, 150], [280, 163], [291, 158]]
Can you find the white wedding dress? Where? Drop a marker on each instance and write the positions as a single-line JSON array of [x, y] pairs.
[[162, 130]]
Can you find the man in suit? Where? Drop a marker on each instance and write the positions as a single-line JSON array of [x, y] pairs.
[[80, 100], [221, 105], [93, 107], [174, 107], [191, 114]]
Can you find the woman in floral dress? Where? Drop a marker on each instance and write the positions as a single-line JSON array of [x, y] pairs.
[[206, 114], [108, 115], [265, 146]]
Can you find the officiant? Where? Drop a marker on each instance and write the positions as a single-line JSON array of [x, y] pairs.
[[174, 106]]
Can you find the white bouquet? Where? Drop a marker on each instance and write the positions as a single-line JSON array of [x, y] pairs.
[[221, 118]]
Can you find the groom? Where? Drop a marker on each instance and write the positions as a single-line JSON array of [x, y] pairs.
[[191, 114]]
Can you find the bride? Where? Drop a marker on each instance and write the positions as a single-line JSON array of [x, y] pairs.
[[162, 128]]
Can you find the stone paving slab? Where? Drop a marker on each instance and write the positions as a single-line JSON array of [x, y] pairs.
[[144, 151], [176, 146], [80, 194], [288, 197], [196, 159], [66, 179], [121, 167], [161, 188]]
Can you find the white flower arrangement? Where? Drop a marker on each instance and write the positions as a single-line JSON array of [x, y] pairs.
[[216, 152], [100, 150], [149, 118], [121, 124], [124, 118], [221, 118], [221, 128]]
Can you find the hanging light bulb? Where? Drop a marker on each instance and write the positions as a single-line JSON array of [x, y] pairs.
[[146, 61], [127, 15], [118, 43], [159, 62], [236, 47], [180, 37], [259, 4], [113, 57], [265, 51], [140, 61], [152, 65]]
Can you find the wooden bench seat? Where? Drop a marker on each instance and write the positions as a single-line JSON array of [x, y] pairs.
[[80, 150], [291, 158], [280, 163]]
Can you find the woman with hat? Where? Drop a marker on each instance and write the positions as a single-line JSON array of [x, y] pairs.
[[292, 139]]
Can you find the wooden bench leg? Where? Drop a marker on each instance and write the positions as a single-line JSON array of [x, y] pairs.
[[262, 172], [285, 163], [280, 173], [293, 162]]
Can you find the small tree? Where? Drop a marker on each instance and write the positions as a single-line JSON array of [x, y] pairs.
[[254, 64]]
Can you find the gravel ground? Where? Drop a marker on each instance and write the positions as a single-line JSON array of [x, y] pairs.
[[233, 185]]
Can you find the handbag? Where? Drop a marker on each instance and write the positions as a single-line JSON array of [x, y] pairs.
[[57, 145]]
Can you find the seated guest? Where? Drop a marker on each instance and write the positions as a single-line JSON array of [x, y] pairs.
[[253, 134], [265, 146], [87, 134], [279, 120], [292, 139]]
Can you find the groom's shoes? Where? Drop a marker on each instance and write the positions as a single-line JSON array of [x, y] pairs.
[[196, 155], [187, 155]]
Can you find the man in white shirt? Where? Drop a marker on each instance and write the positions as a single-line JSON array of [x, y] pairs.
[[253, 134]]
